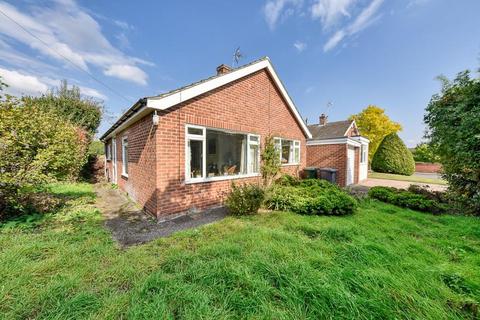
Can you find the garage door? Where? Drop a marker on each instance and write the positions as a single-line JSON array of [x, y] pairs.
[[350, 165]]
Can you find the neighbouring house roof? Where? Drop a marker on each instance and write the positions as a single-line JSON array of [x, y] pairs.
[[174, 97], [330, 130]]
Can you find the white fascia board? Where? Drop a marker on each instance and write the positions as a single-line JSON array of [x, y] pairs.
[[345, 140], [349, 127], [162, 103], [361, 139]]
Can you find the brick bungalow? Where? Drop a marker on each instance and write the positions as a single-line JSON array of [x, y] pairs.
[[338, 145], [181, 150]]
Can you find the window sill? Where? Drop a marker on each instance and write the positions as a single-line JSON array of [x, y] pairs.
[[211, 179], [290, 164]]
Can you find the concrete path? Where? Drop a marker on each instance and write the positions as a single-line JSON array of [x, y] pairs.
[[130, 226], [370, 182]]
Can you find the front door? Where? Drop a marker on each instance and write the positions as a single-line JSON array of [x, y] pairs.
[[114, 160], [350, 165]]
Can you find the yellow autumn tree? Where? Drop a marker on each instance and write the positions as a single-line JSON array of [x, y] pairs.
[[375, 125]]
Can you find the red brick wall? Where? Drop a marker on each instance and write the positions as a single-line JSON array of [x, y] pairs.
[[329, 156], [141, 181], [428, 167], [251, 105]]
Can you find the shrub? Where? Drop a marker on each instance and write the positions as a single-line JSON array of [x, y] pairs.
[[270, 162], [407, 199], [36, 147], [453, 127], [287, 180], [392, 156], [245, 199], [310, 197]]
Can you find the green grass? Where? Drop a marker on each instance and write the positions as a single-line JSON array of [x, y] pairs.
[[390, 176], [383, 262]]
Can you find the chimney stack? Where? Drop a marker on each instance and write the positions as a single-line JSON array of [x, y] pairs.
[[323, 119], [222, 69]]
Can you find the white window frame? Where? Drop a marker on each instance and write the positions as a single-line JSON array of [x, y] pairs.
[[363, 153], [253, 143], [291, 156], [202, 137], [124, 163], [108, 151]]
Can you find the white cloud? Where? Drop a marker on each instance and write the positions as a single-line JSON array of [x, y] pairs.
[[363, 20], [124, 25], [19, 83], [331, 11], [70, 31], [126, 72], [23, 83], [300, 46], [276, 9]]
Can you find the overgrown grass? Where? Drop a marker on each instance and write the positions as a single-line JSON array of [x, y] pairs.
[[383, 262], [413, 178]]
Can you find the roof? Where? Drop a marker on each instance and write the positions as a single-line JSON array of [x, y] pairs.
[[330, 130], [174, 97]]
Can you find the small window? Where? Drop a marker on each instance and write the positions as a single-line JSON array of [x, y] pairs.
[[108, 151], [289, 151], [363, 153], [195, 131], [125, 156]]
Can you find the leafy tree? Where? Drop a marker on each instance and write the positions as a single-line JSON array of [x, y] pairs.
[[425, 152], [68, 104], [392, 156], [270, 162], [35, 147], [375, 125], [453, 121]]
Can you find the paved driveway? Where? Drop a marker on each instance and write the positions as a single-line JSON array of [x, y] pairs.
[[370, 182]]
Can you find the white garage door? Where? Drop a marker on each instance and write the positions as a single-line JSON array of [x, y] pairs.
[[350, 165]]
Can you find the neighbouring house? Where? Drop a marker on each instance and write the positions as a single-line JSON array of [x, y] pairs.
[[338, 145], [181, 150]]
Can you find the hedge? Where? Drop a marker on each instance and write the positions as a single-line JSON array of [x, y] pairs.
[[392, 156]]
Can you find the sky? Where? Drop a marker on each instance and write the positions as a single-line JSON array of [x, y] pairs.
[[334, 56]]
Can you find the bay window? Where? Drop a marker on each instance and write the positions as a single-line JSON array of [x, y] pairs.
[[288, 150], [216, 154]]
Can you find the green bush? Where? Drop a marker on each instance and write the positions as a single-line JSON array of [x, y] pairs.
[[245, 199], [392, 156], [407, 199], [425, 152], [310, 197], [287, 180], [36, 147]]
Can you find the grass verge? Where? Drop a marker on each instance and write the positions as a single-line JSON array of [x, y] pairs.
[[383, 262], [413, 178]]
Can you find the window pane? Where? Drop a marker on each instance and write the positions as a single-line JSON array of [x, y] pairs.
[[195, 131], [253, 138], [125, 155], [297, 154], [196, 158], [254, 155], [286, 147], [226, 153]]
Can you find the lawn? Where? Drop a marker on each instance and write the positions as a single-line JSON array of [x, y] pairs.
[[413, 178], [383, 262]]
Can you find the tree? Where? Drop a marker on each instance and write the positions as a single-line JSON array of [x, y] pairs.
[[375, 125], [68, 104], [425, 152], [453, 121], [36, 147], [270, 161], [392, 156]]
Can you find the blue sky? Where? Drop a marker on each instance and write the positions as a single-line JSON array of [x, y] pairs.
[[348, 52]]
